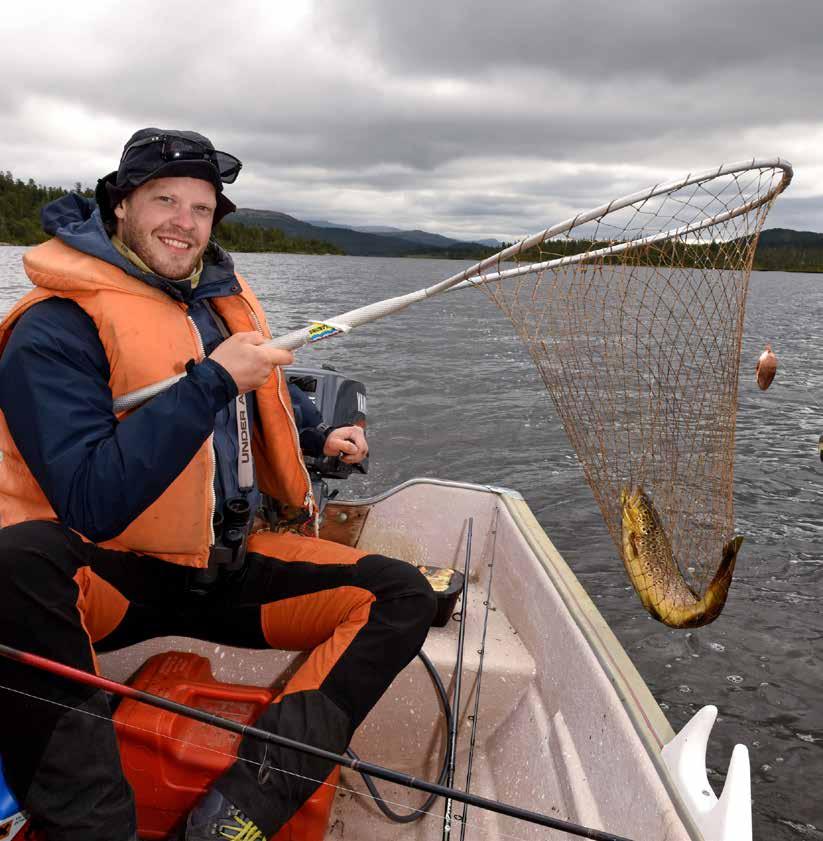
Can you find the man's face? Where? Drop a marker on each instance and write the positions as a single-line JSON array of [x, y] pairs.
[[167, 223]]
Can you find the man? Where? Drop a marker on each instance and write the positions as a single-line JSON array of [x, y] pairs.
[[111, 524]]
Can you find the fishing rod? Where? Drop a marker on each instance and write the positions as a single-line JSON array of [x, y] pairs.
[[458, 679], [482, 653], [125, 691]]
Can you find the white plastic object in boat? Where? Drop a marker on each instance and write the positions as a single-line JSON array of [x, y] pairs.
[[729, 817]]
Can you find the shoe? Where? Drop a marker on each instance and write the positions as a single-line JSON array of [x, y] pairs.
[[214, 817]]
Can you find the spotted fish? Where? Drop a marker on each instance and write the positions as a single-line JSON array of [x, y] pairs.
[[647, 555]]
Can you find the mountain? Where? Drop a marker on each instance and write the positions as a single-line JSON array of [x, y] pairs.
[[361, 243], [324, 223], [378, 229], [365, 229], [781, 249], [420, 237], [786, 238], [426, 238]]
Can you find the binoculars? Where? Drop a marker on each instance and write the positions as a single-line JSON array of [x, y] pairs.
[[231, 531]]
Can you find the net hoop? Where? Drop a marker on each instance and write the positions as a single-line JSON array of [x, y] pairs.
[[473, 276]]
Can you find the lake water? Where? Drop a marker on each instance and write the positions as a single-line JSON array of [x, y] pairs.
[[453, 394]]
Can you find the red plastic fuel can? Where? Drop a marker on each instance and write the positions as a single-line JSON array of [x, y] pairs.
[[170, 761]]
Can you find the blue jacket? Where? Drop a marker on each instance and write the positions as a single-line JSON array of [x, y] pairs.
[[99, 474]]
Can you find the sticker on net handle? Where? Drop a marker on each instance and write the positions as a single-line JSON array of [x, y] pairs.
[[325, 329]]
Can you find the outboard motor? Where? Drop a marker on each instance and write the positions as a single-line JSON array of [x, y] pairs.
[[341, 402]]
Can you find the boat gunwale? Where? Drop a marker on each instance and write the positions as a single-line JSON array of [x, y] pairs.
[[498, 490], [651, 725]]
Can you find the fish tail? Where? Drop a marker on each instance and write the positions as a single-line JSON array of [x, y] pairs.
[[708, 608]]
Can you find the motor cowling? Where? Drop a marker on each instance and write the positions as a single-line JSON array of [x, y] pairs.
[[341, 401]]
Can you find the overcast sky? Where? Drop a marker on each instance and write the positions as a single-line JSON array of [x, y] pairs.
[[464, 117]]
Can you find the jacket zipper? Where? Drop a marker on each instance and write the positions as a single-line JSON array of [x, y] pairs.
[[212, 458], [308, 501]]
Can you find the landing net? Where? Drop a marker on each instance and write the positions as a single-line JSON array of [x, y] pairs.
[[640, 349]]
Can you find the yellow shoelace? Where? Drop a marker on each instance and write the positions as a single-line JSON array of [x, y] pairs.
[[242, 830]]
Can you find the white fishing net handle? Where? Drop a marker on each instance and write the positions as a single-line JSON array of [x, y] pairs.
[[474, 275]]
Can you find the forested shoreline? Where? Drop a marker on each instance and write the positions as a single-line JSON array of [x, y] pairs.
[[20, 203]]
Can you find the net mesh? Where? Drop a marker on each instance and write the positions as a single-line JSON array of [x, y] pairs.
[[640, 352]]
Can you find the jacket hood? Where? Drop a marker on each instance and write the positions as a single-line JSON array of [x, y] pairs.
[[76, 221]]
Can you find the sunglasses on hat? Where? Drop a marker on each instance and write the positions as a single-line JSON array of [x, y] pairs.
[[174, 148]]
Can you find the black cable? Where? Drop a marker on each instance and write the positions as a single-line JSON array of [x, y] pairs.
[[447, 712]]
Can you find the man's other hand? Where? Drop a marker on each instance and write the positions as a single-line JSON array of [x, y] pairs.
[[249, 360], [348, 442]]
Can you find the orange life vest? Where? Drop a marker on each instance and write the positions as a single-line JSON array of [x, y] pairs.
[[148, 336]]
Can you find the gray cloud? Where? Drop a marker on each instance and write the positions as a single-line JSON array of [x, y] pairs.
[[472, 118], [587, 39], [797, 213]]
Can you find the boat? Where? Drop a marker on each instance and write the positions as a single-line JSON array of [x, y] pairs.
[[566, 725], [553, 716]]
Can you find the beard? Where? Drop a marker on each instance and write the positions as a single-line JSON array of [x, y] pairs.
[[172, 265]]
